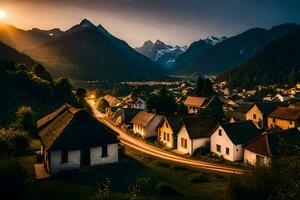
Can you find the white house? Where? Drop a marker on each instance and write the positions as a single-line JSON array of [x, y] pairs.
[[195, 104], [139, 104], [145, 124], [71, 138], [227, 139], [194, 133], [262, 149]]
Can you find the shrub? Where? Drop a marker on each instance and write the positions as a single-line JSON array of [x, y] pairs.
[[166, 189], [203, 178], [12, 178], [203, 150], [26, 118], [13, 142]]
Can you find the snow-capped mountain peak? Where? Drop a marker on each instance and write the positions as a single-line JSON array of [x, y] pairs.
[[214, 40]]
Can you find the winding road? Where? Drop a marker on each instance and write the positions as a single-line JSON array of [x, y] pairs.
[[131, 141]]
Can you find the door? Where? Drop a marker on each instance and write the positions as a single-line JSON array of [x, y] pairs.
[[85, 158]]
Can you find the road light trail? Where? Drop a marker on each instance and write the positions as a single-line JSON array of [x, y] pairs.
[[141, 146]]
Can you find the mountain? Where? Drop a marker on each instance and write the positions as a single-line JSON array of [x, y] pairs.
[[160, 52], [88, 52], [232, 51], [195, 50], [278, 62], [55, 32], [21, 39], [12, 55]]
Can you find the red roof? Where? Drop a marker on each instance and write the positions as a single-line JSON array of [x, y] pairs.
[[286, 113], [195, 101], [259, 145]]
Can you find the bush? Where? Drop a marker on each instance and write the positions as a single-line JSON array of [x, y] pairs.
[[13, 142], [203, 150], [203, 178], [166, 189], [12, 179], [279, 181], [102, 104], [26, 118]]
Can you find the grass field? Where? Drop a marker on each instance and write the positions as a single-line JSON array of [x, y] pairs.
[[187, 183]]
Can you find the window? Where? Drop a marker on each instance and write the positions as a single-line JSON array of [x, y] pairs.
[[218, 148], [220, 132], [183, 143], [164, 135], [64, 156], [254, 116], [104, 151], [274, 120], [237, 149], [168, 137], [167, 125], [291, 122], [227, 151]]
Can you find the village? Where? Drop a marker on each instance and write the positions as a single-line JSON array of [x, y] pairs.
[[249, 134]]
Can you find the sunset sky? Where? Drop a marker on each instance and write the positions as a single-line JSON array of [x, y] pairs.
[[177, 22]]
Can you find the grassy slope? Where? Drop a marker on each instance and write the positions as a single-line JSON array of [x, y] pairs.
[[82, 185]]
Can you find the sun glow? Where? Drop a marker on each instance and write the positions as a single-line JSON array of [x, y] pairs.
[[2, 14]]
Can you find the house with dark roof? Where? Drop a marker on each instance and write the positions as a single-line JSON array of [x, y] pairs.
[[239, 112], [168, 129], [284, 118], [125, 115], [145, 124], [71, 138], [227, 139], [269, 145], [258, 113], [194, 133]]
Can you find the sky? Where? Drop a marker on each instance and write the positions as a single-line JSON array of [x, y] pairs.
[[176, 22]]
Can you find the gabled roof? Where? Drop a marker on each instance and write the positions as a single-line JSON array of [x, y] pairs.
[[127, 114], [50, 117], [240, 132], [267, 107], [75, 129], [243, 108], [199, 127], [113, 101], [196, 101], [143, 118], [271, 144], [286, 113], [174, 122]]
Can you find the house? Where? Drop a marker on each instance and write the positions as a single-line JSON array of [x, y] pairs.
[[125, 115], [195, 104], [227, 139], [167, 131], [71, 138], [145, 124], [259, 112], [239, 112], [263, 148], [194, 133], [139, 104], [281, 97], [284, 118]]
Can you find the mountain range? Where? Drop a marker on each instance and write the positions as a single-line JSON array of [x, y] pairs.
[[278, 62], [161, 53], [84, 52], [202, 58]]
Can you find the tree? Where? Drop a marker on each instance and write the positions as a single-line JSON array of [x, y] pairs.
[[278, 181], [182, 109], [26, 118], [63, 90], [203, 87], [162, 103], [81, 94], [41, 72], [102, 104]]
